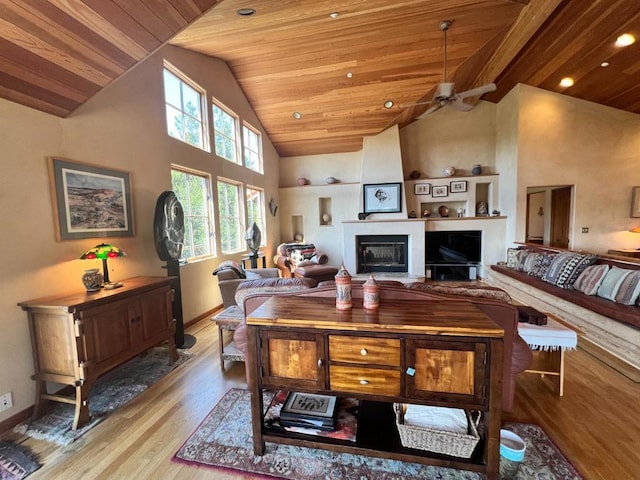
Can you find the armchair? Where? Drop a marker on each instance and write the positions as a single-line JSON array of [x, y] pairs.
[[299, 260], [229, 279]]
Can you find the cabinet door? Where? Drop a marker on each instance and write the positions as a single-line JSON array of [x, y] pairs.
[[155, 314], [292, 359], [447, 371]]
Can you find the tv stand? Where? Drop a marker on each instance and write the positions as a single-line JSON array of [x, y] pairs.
[[411, 353], [452, 271]]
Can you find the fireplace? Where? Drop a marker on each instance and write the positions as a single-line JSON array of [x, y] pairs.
[[382, 253]]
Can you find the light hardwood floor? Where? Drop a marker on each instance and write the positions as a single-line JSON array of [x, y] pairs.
[[595, 424]]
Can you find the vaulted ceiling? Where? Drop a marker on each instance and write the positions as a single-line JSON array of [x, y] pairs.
[[337, 71]]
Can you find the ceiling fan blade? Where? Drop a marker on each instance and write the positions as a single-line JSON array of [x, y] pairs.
[[474, 92], [459, 105], [431, 110], [407, 105]]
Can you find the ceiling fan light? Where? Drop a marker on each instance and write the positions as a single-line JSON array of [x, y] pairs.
[[625, 40], [566, 82]]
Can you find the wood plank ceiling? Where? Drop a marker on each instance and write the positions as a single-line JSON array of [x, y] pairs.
[[291, 55]]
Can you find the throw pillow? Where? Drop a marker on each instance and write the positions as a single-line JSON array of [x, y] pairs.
[[590, 279], [542, 265], [566, 267], [513, 254], [611, 283], [522, 259], [530, 262], [629, 289]]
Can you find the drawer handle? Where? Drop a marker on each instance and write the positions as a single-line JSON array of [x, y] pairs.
[[363, 352], [319, 362], [364, 382]]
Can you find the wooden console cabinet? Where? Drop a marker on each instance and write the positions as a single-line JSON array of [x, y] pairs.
[[77, 337], [430, 353]]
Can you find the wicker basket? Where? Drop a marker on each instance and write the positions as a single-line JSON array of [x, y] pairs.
[[438, 441]]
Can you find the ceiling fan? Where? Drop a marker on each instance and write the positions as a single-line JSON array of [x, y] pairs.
[[445, 91]]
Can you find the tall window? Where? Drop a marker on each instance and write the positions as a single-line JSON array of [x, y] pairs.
[[193, 189], [252, 148], [184, 106], [225, 129], [230, 214], [255, 210]]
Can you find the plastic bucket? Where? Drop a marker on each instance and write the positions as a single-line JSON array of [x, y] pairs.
[[512, 451]]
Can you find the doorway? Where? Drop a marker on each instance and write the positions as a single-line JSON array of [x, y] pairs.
[[549, 215]]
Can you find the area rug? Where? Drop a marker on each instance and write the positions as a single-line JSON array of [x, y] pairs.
[[224, 441], [110, 392], [16, 461]]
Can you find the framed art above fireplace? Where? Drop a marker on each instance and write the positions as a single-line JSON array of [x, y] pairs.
[[382, 197]]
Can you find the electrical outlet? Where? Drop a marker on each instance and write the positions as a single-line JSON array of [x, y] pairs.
[[6, 402], [585, 229]]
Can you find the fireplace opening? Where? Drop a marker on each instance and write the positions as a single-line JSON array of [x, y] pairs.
[[382, 253]]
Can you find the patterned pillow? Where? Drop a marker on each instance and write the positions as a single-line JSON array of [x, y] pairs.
[[566, 267], [542, 265], [522, 259], [591, 278], [530, 262], [629, 289], [513, 254], [611, 282]]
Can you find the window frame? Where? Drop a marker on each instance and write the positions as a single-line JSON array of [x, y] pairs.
[[211, 234], [215, 103], [239, 218], [262, 225], [204, 123], [245, 147]]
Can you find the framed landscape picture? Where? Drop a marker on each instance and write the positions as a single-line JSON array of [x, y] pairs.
[[382, 197], [440, 191], [422, 188], [458, 186], [89, 201]]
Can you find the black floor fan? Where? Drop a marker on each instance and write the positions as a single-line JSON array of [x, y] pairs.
[[168, 234]]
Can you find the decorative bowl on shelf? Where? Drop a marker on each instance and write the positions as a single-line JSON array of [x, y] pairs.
[[443, 210], [330, 180], [450, 171]]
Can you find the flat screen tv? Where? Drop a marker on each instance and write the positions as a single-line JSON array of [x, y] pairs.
[[454, 247]]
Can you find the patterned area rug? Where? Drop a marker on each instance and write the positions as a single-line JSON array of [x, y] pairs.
[[16, 461], [224, 440], [110, 392]]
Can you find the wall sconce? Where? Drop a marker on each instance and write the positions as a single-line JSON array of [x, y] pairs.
[[273, 206], [541, 212]]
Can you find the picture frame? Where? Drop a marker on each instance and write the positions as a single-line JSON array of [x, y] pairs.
[[89, 201], [635, 202], [440, 191], [458, 186], [382, 197], [422, 189]]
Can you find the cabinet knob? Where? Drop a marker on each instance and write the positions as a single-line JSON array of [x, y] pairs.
[[363, 352], [364, 382], [319, 362]]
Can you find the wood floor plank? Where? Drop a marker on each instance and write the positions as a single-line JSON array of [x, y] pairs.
[[594, 423]]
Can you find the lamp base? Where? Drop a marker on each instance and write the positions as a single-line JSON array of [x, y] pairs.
[[188, 342], [112, 285]]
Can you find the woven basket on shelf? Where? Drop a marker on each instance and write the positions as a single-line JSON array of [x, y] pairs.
[[438, 441]]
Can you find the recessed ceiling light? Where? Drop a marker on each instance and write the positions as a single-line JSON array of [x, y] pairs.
[[566, 82], [349, 74], [334, 14], [388, 104], [625, 40], [604, 64], [245, 12], [297, 115]]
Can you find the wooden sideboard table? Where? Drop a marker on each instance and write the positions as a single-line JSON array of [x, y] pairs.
[[77, 337], [430, 353]]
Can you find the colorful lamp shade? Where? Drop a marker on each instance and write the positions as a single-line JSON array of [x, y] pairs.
[[103, 252]]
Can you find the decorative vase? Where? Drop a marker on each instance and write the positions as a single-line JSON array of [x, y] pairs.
[[477, 169], [426, 213], [326, 218], [443, 211], [343, 289], [92, 280], [330, 180], [302, 181], [371, 294], [450, 171]]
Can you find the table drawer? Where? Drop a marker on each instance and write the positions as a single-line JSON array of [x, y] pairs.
[[375, 381], [364, 350]]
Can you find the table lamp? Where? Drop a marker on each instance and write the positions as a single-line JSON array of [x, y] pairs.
[[103, 251]]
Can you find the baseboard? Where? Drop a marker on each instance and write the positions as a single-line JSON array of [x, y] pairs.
[[8, 423], [207, 314], [608, 358]]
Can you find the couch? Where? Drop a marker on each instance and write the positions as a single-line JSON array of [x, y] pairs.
[[300, 260], [517, 355], [596, 294]]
